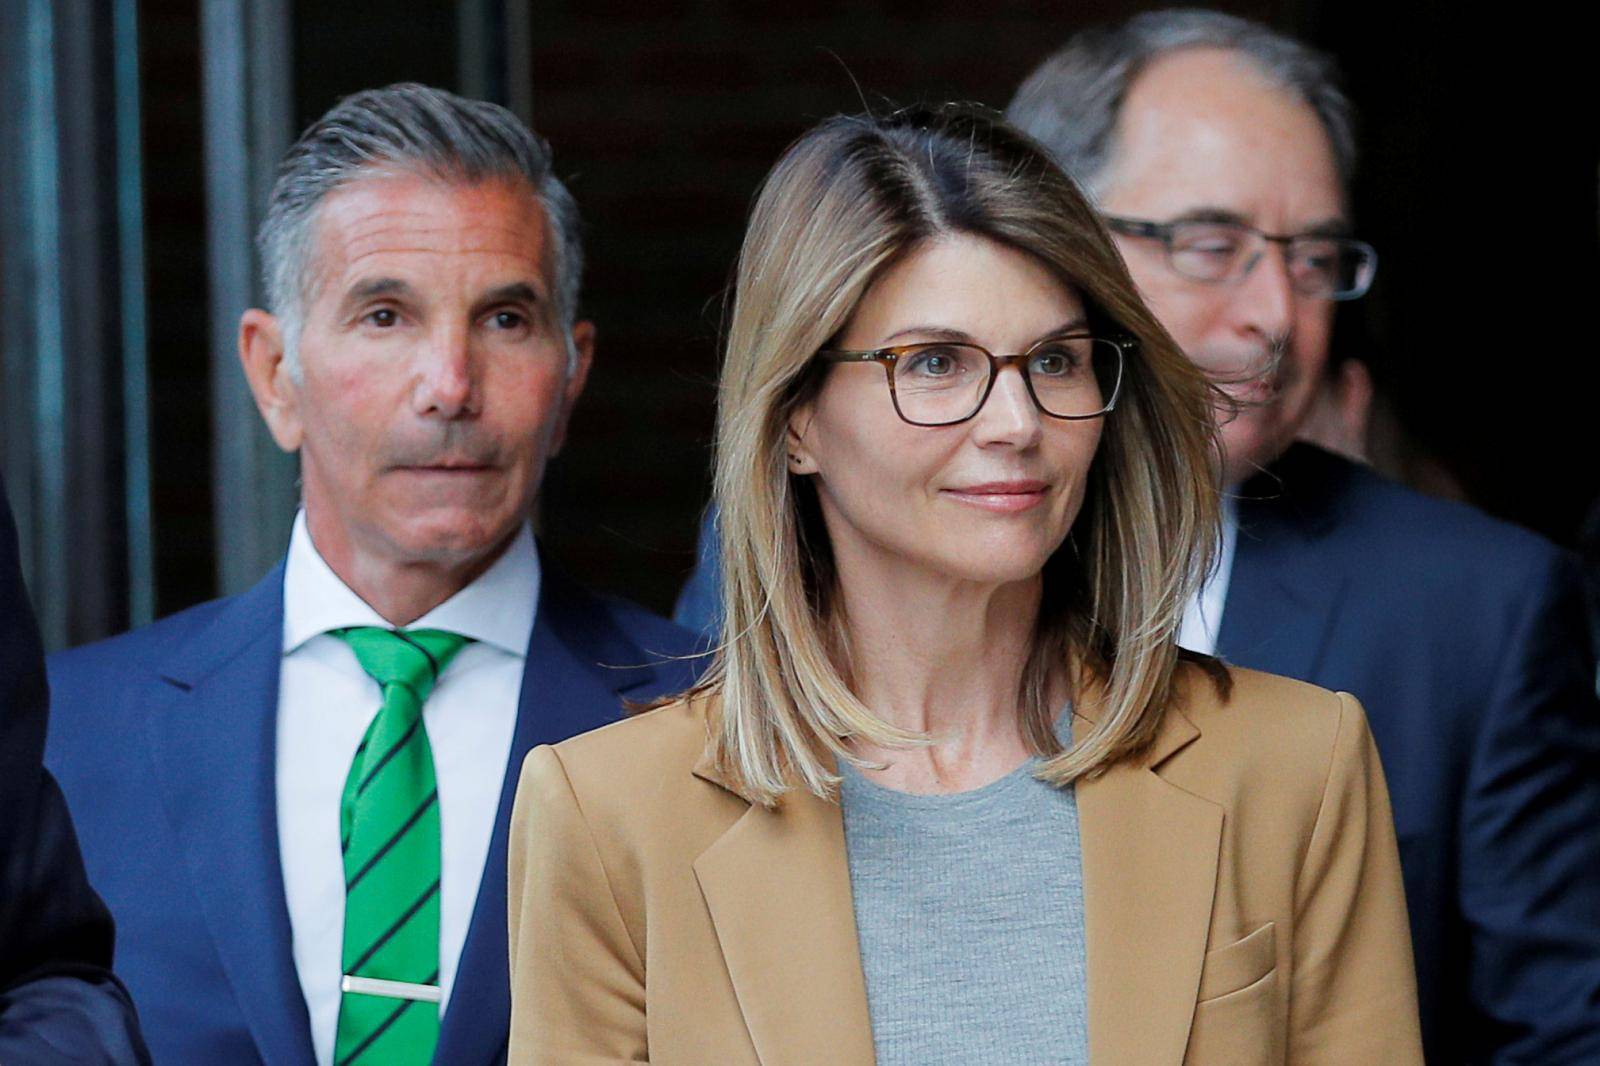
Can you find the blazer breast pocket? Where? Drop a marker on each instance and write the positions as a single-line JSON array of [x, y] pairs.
[[1240, 964], [1239, 1018]]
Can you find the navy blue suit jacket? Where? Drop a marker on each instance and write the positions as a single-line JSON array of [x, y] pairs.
[[164, 744], [1465, 639], [58, 1000]]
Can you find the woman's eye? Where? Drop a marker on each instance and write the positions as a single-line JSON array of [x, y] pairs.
[[937, 363], [1053, 362]]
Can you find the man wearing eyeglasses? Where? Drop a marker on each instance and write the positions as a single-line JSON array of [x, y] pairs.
[[1220, 153]]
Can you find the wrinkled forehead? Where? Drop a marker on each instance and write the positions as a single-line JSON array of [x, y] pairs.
[[1205, 131], [427, 228]]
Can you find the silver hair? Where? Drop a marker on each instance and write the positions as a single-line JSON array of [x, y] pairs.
[[418, 129], [1072, 101]]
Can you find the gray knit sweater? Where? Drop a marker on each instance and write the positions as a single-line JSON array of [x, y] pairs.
[[969, 909]]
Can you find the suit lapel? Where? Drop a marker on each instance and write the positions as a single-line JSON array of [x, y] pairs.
[[1280, 605], [214, 734], [778, 888], [1150, 853], [579, 669]]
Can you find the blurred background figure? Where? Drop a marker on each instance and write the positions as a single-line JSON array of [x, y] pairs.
[[1340, 418], [59, 1003], [1220, 154]]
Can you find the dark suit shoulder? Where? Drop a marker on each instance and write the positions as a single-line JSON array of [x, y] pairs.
[[650, 631], [1373, 525], [100, 691], [623, 634], [141, 647], [1362, 501]]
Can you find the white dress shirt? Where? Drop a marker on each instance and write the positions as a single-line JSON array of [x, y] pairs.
[[326, 701], [1202, 619]]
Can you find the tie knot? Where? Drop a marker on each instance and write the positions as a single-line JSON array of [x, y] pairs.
[[414, 658]]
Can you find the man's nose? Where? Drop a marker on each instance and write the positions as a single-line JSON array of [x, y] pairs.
[[1264, 299], [1009, 415], [445, 387]]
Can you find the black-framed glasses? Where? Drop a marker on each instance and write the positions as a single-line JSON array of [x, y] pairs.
[[1221, 253], [941, 383]]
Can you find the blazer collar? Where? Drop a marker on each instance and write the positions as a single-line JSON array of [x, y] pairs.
[[214, 735], [1300, 487], [580, 666], [777, 885]]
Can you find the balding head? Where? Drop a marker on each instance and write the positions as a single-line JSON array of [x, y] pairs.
[[1072, 102], [1198, 117]]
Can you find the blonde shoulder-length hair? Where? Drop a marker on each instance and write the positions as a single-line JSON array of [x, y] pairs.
[[844, 202]]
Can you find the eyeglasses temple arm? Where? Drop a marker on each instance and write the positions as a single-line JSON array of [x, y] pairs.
[[836, 355], [1136, 227]]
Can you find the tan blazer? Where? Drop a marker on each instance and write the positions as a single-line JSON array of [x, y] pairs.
[[1242, 899]]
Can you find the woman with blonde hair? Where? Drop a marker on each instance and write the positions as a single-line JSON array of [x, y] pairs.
[[950, 792]]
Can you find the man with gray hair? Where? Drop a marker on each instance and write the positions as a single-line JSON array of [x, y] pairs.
[[295, 800], [1220, 153]]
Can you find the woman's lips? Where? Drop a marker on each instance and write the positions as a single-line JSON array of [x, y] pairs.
[[1002, 497]]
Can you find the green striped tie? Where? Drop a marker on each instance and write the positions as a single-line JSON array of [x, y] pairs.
[[389, 829]]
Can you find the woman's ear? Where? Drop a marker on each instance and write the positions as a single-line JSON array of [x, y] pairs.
[[801, 461]]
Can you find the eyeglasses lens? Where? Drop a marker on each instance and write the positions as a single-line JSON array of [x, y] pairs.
[[940, 383], [1075, 377], [1330, 267]]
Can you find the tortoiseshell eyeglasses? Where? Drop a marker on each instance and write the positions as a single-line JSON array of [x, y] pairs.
[[1072, 376]]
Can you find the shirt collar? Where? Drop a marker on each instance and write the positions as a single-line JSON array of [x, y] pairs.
[[497, 608]]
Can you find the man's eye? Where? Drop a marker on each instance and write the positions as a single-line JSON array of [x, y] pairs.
[[1315, 257], [1212, 247], [1206, 240], [509, 320], [383, 317]]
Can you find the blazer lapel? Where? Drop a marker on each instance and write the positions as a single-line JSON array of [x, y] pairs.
[[778, 888], [1150, 853], [214, 732], [1280, 605], [579, 669]]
